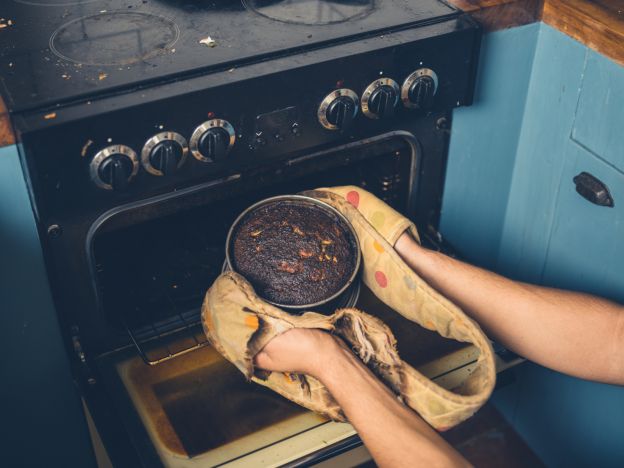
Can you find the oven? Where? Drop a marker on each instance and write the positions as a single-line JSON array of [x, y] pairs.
[[134, 227], [153, 261]]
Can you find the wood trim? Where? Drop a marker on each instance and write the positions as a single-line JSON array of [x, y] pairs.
[[599, 24], [494, 15], [7, 137]]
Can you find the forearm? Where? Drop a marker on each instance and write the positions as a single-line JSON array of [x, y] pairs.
[[571, 332], [394, 434]]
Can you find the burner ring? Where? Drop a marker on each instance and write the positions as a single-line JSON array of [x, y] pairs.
[[54, 3], [114, 38], [311, 12]]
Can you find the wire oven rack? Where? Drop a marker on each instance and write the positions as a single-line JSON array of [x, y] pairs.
[[181, 332], [165, 339], [161, 311]]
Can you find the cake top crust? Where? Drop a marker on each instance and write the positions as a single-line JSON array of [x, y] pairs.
[[293, 253]]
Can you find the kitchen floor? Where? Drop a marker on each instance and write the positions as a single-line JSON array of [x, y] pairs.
[[486, 440]]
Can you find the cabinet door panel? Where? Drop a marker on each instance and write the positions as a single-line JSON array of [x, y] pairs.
[[586, 250], [600, 112]]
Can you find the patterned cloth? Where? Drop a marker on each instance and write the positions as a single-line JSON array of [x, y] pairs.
[[239, 324]]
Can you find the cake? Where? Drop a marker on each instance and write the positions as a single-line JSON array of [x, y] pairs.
[[294, 253]]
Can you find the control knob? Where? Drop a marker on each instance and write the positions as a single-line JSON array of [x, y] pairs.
[[164, 154], [380, 98], [114, 167], [338, 109], [212, 140], [419, 89]]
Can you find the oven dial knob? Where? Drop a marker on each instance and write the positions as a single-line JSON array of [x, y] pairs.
[[164, 153], [419, 89], [212, 140], [338, 110], [114, 167], [380, 98]]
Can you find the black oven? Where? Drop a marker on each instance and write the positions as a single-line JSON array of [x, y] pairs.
[[134, 227]]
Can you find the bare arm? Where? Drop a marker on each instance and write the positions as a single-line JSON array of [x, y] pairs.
[[394, 434], [570, 332]]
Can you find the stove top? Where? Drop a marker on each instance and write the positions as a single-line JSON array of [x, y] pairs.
[[58, 51]]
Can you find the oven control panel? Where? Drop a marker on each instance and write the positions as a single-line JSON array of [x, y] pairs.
[[114, 167], [153, 141], [212, 141]]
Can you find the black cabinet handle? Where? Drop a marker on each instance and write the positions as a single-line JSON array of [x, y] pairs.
[[592, 189]]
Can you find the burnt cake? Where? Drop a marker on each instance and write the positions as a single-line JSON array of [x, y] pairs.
[[293, 253]]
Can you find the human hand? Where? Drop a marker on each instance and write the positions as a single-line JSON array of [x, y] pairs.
[[300, 350], [417, 257], [406, 244]]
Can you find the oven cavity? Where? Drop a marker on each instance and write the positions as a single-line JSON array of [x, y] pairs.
[[153, 270]]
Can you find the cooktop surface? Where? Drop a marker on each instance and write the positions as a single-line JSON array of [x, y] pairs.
[[55, 51]]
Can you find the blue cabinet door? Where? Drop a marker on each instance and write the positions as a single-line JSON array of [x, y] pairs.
[[586, 249]]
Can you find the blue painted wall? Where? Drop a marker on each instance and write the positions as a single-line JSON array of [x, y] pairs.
[[41, 418], [535, 227]]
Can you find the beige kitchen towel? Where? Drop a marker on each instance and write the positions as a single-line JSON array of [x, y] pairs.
[[239, 324]]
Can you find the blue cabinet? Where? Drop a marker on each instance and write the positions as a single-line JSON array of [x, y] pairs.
[[586, 247]]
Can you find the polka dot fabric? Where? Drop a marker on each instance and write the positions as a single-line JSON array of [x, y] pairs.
[[381, 279], [378, 227], [389, 223]]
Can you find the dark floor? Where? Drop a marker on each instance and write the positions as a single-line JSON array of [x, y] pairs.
[[488, 441]]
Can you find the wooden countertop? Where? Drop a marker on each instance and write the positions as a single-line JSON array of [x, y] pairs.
[[599, 24], [501, 14], [7, 137]]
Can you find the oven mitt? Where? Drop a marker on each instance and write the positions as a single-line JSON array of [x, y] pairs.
[[388, 222], [239, 324], [378, 227]]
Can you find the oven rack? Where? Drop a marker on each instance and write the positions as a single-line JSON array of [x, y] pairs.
[[155, 340], [162, 340]]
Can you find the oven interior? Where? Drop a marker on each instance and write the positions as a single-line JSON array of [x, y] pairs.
[[152, 276]]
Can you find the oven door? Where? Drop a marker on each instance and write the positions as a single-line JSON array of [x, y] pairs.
[[180, 402]]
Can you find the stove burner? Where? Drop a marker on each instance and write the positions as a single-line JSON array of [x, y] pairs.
[[314, 12], [114, 38], [54, 2]]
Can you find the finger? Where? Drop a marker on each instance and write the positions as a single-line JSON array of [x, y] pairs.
[[261, 359]]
